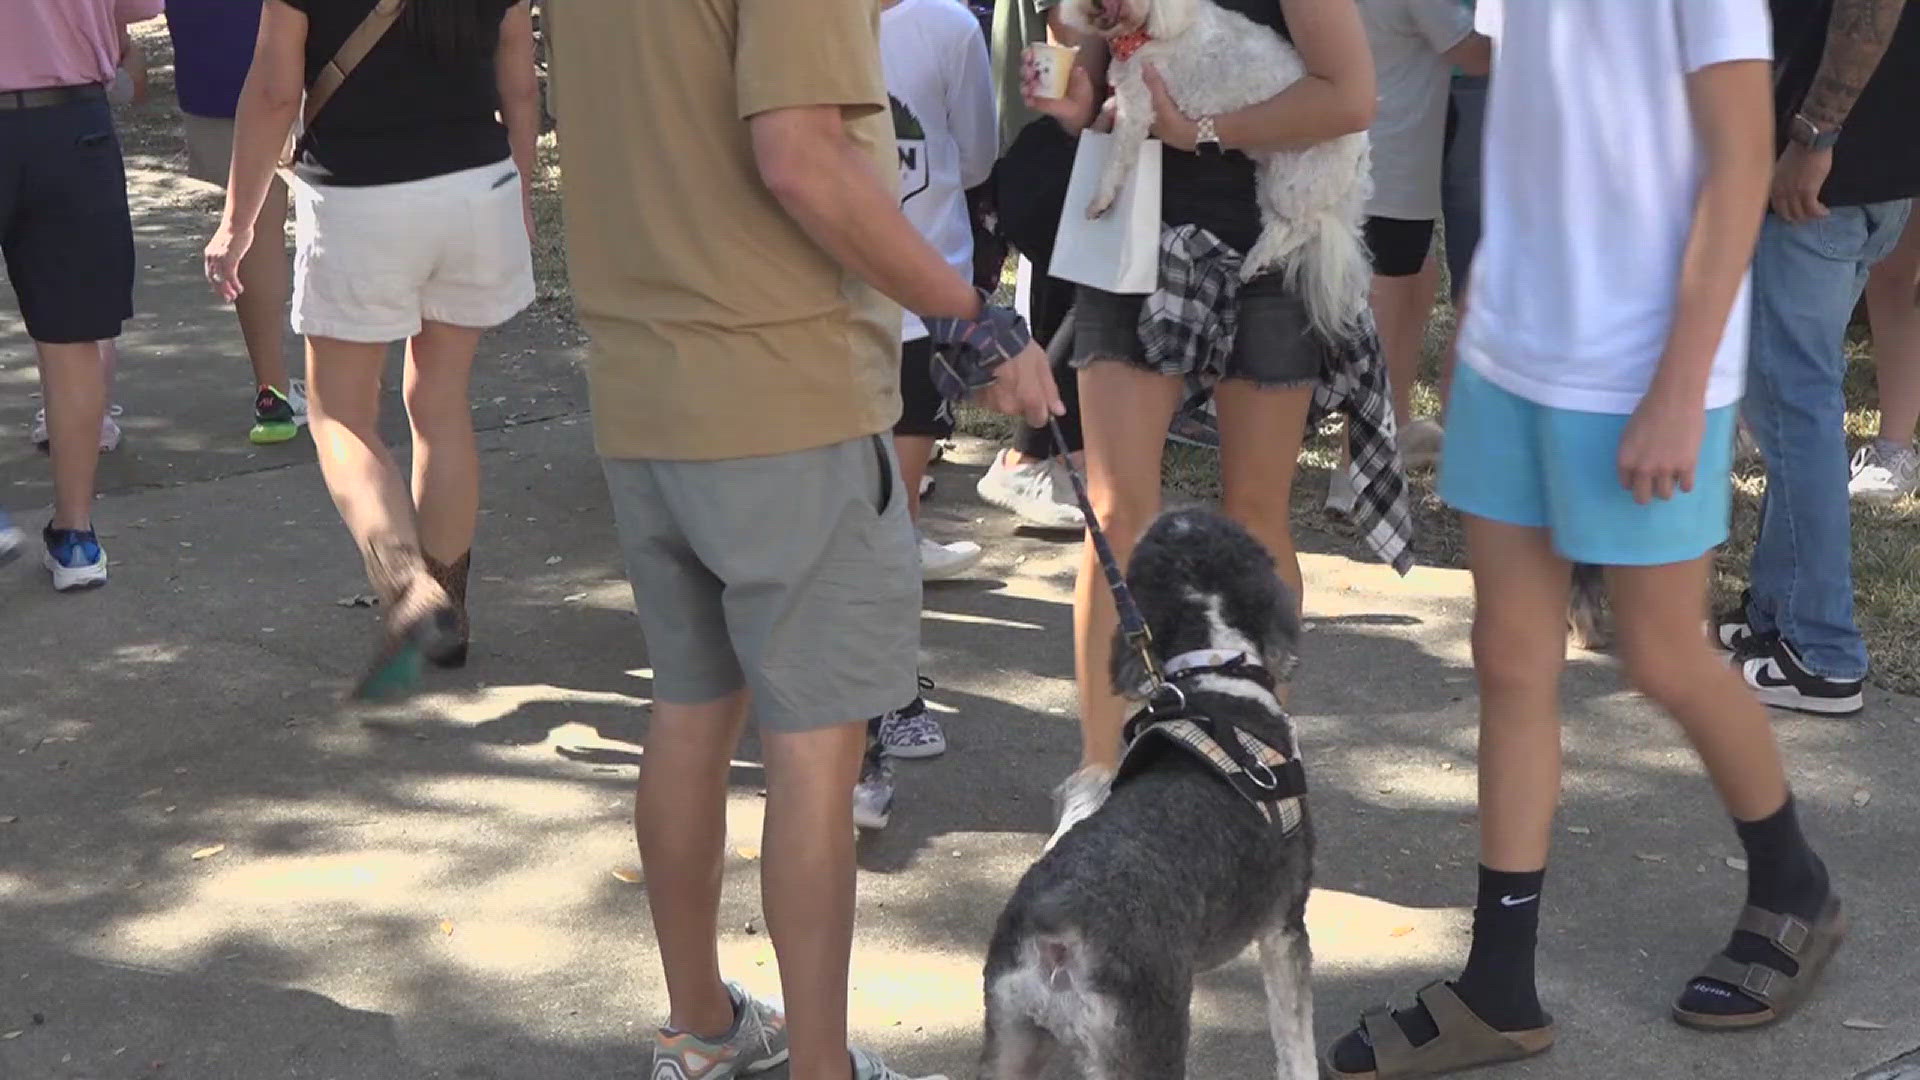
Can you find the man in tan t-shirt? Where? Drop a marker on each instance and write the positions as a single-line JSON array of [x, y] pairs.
[[738, 255]]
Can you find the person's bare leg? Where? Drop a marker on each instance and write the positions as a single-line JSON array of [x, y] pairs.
[[109, 368], [266, 279], [1520, 588], [914, 452], [344, 381], [446, 462], [680, 822], [1893, 307], [1659, 611], [1260, 435], [74, 380], [1124, 413], [1401, 306], [807, 887]]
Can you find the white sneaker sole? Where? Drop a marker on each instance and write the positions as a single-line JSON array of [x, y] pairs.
[[951, 570], [1794, 702], [992, 495], [75, 578], [915, 753], [11, 541], [870, 821]]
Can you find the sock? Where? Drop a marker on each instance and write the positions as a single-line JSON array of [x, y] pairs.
[[1783, 876], [1498, 981]]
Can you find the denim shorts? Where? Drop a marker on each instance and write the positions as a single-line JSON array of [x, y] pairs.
[[1515, 461], [1275, 345]]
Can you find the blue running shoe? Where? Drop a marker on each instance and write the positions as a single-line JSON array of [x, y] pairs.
[[75, 559]]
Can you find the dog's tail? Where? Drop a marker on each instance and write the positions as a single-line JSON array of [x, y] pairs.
[[1333, 274]]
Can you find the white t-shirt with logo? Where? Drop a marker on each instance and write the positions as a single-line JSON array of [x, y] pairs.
[[1409, 39], [1592, 170], [941, 83]]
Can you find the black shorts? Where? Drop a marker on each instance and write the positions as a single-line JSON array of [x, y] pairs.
[[1399, 246], [923, 411], [64, 224], [1274, 346]]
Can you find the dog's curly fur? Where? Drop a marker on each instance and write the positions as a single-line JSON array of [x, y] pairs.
[[1214, 61], [1177, 873]]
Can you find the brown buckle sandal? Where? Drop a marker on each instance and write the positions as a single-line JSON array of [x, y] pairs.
[[1465, 1041], [1809, 946]]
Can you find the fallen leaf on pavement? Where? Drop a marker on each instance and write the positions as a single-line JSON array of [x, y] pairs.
[[1863, 1025], [1648, 856], [749, 853], [626, 874], [446, 927], [10, 819], [361, 601], [208, 852], [1735, 862], [1400, 931], [1862, 797], [1579, 830], [573, 598], [11, 1035], [553, 560]]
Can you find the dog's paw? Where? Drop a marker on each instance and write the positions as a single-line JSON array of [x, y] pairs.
[[1098, 208]]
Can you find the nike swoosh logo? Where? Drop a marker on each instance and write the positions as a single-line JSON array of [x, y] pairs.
[[1513, 901]]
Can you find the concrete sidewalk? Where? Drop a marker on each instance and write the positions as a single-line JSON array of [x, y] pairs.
[[209, 869]]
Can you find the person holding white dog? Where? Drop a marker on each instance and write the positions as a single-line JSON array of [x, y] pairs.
[[1264, 389]]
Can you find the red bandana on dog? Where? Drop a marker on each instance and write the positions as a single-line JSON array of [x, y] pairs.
[[1126, 45]]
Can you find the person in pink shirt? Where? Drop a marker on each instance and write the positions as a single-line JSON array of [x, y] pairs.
[[68, 240]]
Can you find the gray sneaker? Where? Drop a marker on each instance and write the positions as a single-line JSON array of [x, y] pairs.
[[1884, 472], [873, 794], [868, 1066], [758, 1042]]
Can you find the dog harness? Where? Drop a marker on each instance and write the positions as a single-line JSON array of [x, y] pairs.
[[1267, 776], [1124, 46]]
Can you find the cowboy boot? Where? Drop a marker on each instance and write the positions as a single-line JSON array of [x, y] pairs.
[[420, 619], [453, 578]]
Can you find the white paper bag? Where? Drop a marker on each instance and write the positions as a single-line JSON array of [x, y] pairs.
[[1119, 252]]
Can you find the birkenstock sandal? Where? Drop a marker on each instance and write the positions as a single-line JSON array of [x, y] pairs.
[[1809, 946], [1465, 1041]]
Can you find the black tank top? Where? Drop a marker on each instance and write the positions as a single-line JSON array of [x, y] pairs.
[[1216, 192]]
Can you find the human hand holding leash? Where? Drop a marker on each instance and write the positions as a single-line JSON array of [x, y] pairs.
[[1023, 386], [1661, 446]]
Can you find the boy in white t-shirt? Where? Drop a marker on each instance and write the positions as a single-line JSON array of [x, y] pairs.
[[1629, 152], [940, 83]]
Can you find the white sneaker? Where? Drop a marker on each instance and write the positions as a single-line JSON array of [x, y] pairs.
[[1420, 443], [868, 1066], [1078, 797], [297, 397], [1884, 472], [109, 430], [1341, 497], [1038, 493], [942, 562], [873, 794]]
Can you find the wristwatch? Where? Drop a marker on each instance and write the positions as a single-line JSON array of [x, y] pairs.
[[1812, 135], [1206, 140]]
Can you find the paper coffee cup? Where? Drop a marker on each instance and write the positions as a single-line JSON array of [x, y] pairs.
[[1052, 66]]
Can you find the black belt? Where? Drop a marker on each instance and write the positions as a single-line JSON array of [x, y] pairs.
[[47, 97]]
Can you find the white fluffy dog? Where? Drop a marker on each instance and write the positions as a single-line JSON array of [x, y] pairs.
[[1215, 61]]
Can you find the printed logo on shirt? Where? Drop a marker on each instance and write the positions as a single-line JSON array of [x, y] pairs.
[[911, 138]]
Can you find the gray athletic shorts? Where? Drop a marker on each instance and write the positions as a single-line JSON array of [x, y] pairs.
[[796, 576]]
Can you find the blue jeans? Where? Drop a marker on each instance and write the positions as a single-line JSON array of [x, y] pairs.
[[1806, 280]]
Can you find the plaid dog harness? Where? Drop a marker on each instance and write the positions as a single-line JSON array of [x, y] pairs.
[[1187, 327], [1267, 776]]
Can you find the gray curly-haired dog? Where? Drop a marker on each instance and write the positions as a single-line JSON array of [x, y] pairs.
[[1215, 61], [1177, 873]]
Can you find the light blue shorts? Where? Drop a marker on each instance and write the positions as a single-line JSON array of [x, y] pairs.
[[1511, 460]]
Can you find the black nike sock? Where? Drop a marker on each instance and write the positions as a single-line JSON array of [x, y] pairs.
[[1783, 876], [1498, 981]]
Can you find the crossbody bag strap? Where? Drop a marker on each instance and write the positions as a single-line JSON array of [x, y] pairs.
[[355, 49]]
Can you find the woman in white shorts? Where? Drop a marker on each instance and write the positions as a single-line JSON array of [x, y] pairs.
[[412, 224]]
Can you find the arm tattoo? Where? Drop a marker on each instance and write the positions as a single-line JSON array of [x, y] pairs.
[[1857, 37]]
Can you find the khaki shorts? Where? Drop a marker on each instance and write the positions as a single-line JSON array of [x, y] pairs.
[[372, 264], [796, 576], [209, 148]]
